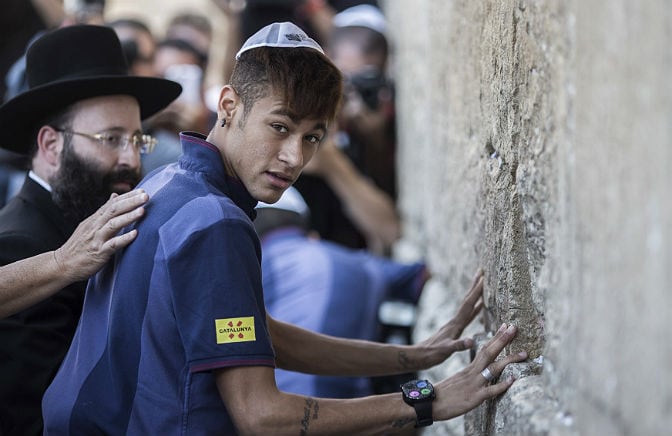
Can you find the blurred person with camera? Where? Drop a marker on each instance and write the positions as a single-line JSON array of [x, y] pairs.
[[361, 145], [359, 48]]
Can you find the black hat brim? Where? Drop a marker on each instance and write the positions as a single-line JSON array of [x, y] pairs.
[[18, 116]]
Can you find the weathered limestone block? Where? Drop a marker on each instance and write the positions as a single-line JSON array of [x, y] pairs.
[[535, 142]]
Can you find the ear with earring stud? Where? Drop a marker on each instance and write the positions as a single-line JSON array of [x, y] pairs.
[[223, 122]]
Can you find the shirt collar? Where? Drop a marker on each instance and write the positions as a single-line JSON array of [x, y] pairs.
[[209, 161], [39, 180]]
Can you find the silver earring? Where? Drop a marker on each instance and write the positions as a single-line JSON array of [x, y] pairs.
[[223, 122]]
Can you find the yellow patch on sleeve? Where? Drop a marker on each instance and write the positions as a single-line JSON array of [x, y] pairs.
[[230, 330]]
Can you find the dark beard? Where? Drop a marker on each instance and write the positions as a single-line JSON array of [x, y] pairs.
[[79, 187]]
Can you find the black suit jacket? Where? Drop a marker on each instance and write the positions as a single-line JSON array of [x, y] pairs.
[[34, 342]]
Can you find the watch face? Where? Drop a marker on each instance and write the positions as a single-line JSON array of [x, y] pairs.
[[418, 390]]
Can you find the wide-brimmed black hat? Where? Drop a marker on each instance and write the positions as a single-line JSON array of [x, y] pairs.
[[71, 64]]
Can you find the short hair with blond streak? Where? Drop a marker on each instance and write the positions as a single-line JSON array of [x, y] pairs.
[[310, 83]]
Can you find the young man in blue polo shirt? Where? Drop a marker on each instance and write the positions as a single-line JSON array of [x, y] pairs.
[[174, 337]]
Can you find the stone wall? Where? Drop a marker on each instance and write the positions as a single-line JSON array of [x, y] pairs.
[[535, 140]]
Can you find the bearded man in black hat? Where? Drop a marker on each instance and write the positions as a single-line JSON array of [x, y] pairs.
[[79, 124]]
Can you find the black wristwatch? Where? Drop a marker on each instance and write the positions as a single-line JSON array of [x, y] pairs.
[[420, 395]]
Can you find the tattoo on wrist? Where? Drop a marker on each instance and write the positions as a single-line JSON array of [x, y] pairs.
[[402, 422], [310, 412]]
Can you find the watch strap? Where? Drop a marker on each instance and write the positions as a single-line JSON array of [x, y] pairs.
[[423, 411]]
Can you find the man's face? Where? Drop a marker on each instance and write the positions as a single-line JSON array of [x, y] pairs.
[[90, 171], [268, 150]]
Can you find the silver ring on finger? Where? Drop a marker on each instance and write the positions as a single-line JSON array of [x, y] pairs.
[[489, 376]]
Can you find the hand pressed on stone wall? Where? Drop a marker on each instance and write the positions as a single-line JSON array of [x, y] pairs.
[[445, 341], [469, 388]]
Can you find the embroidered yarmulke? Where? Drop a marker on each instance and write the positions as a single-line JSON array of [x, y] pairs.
[[283, 34]]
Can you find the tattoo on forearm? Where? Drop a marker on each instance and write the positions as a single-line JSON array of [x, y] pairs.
[[310, 412], [404, 361], [402, 422]]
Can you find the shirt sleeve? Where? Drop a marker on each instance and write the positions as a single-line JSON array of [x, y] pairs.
[[217, 295]]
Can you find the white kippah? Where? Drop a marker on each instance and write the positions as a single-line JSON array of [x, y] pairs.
[[290, 200], [361, 16], [284, 34]]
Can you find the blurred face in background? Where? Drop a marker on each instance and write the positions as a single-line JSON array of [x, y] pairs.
[[139, 47], [165, 57]]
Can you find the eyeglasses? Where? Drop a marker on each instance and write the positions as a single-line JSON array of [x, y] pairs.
[[117, 142]]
